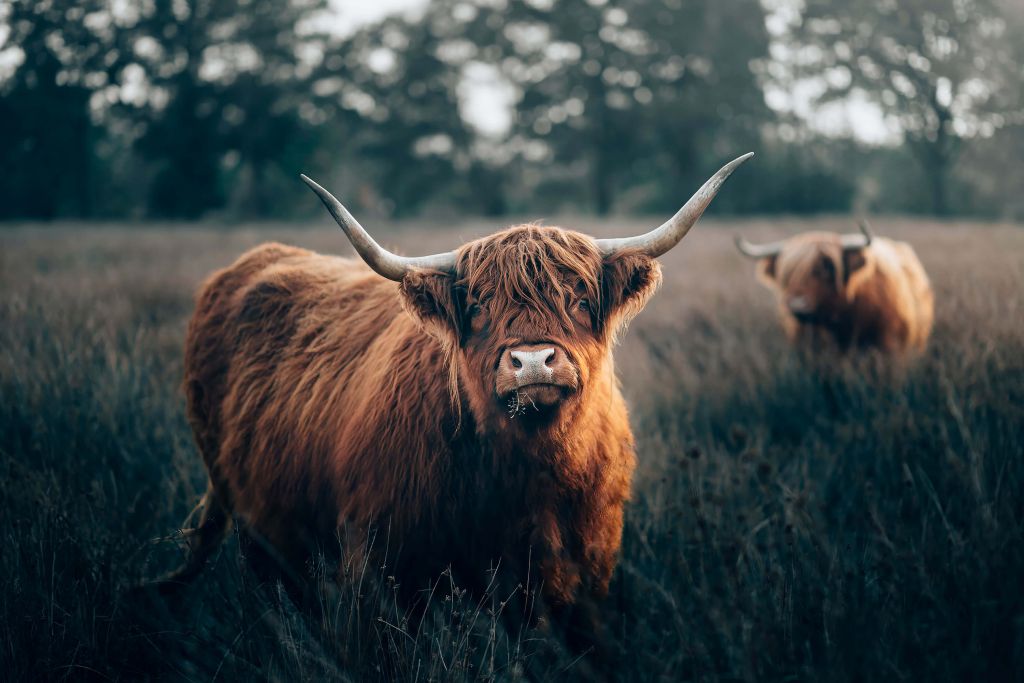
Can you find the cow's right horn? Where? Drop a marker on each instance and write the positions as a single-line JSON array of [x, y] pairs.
[[668, 234], [757, 250], [391, 266], [859, 241]]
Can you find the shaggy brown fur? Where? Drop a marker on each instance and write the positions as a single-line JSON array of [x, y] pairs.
[[326, 399], [878, 296]]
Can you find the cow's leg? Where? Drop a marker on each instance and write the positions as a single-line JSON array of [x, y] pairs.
[[202, 540]]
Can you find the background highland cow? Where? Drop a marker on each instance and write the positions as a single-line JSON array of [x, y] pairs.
[[847, 292]]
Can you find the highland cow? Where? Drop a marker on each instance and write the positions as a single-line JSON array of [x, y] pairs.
[[847, 291], [463, 404]]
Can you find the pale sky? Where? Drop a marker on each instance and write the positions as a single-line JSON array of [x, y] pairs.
[[487, 99]]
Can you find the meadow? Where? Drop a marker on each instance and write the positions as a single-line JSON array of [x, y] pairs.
[[838, 519]]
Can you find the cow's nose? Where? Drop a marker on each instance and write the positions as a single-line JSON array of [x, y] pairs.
[[799, 304], [534, 364], [527, 359]]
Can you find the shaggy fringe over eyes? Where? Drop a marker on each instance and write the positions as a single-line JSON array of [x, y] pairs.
[[800, 260], [532, 266]]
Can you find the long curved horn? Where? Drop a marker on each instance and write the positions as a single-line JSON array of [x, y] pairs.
[[859, 241], [661, 239], [391, 266], [757, 250]]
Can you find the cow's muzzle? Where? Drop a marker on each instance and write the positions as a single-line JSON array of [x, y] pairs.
[[535, 375], [802, 308]]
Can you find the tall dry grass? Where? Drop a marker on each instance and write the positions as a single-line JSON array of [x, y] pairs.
[[791, 519]]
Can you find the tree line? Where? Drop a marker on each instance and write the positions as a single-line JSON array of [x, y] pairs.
[[196, 108]]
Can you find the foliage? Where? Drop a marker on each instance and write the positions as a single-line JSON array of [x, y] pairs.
[[191, 108], [48, 135], [944, 69]]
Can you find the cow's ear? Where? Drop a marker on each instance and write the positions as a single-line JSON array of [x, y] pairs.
[[766, 269], [853, 260], [429, 297], [857, 269], [628, 280]]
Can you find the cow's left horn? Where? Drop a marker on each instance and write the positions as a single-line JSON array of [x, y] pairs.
[[661, 239], [859, 241], [391, 266], [758, 250]]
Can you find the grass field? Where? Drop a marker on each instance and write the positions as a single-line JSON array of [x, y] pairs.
[[851, 520]]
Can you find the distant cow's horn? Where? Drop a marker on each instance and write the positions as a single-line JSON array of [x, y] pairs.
[[773, 248], [859, 241], [391, 266], [661, 239], [758, 250]]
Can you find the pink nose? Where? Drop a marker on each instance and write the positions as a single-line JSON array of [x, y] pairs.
[[534, 364], [799, 304]]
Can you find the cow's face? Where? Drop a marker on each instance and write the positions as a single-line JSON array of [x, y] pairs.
[[812, 276], [529, 317]]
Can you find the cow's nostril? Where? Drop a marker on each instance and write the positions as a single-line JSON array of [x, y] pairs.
[[516, 363], [550, 360]]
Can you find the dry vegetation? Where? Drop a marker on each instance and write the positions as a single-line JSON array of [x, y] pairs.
[[791, 520]]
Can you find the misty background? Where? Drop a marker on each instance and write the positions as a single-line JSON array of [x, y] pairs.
[[190, 109]]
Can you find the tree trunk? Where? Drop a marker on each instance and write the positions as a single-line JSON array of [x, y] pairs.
[[936, 174], [936, 159], [602, 184], [600, 173], [939, 155]]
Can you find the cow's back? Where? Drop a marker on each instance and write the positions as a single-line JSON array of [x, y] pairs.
[[922, 296], [896, 296], [271, 354], [209, 343]]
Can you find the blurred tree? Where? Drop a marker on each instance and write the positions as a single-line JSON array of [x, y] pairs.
[[60, 57], [990, 166], [572, 95], [635, 93], [412, 138], [226, 84], [705, 103], [939, 67], [182, 107]]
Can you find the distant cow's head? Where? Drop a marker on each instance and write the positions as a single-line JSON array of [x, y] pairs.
[[815, 274], [528, 315]]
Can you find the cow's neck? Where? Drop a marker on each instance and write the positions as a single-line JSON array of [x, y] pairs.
[[569, 448]]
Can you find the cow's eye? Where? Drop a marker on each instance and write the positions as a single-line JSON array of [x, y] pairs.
[[583, 305], [475, 309]]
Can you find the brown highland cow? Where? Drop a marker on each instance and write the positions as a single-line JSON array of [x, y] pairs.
[[849, 291], [463, 405]]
